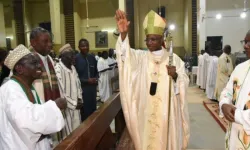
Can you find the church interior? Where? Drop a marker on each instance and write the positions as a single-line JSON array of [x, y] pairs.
[[196, 26]]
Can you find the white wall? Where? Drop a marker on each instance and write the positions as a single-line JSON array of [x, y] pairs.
[[232, 28]]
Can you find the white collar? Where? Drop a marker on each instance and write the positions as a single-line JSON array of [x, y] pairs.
[[158, 53], [42, 57]]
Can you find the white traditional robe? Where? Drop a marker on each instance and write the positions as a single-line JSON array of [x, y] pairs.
[[22, 123], [147, 116], [199, 70], [224, 71], [204, 70], [104, 82], [70, 89], [97, 57], [111, 62], [211, 78], [114, 72], [237, 93]]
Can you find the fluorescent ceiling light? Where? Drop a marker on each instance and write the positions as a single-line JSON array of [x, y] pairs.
[[243, 15], [172, 27], [218, 16]]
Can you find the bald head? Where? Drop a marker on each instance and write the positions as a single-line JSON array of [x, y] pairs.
[[248, 33], [227, 49]]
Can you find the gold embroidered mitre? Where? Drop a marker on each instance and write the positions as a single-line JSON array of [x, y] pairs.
[[154, 24]]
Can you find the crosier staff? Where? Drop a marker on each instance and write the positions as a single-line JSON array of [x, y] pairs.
[[168, 40]]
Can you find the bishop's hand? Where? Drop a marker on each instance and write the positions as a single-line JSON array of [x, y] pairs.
[[122, 23], [172, 72]]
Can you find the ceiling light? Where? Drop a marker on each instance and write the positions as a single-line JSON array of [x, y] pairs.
[[172, 27], [218, 16], [9, 37], [243, 15]]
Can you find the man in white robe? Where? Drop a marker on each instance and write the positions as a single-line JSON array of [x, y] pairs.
[[25, 122], [225, 68], [113, 64], [104, 82], [144, 89], [98, 56], [70, 88], [204, 70], [235, 104], [211, 78], [199, 70]]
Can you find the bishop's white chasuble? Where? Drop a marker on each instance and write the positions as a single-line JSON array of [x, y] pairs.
[[146, 115]]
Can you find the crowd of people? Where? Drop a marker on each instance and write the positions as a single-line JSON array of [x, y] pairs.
[[44, 97], [230, 87], [214, 70]]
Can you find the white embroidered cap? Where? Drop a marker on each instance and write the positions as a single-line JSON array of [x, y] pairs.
[[66, 47], [14, 56]]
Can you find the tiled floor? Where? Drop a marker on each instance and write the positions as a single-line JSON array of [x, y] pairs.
[[206, 134]]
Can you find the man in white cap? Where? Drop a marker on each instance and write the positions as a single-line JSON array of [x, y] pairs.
[[144, 89], [70, 88], [25, 122]]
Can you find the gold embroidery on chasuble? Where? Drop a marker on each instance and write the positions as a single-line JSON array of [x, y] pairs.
[[154, 121], [236, 87], [246, 138]]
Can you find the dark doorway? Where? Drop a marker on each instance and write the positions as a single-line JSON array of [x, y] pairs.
[[46, 25], [8, 43], [216, 42]]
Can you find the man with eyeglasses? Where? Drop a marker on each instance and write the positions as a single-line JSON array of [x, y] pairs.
[[235, 104], [225, 68], [144, 88]]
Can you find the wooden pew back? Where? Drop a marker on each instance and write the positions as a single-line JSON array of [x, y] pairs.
[[95, 133]]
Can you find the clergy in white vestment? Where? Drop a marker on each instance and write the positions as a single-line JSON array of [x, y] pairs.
[[104, 82], [144, 88], [204, 69], [25, 121], [47, 86], [112, 63], [235, 104], [70, 88], [200, 60], [211, 77], [225, 68], [114, 71]]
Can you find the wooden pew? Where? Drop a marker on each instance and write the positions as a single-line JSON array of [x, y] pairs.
[[95, 133], [125, 142]]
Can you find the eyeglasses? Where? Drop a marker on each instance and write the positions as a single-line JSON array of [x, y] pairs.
[[153, 40], [245, 42]]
